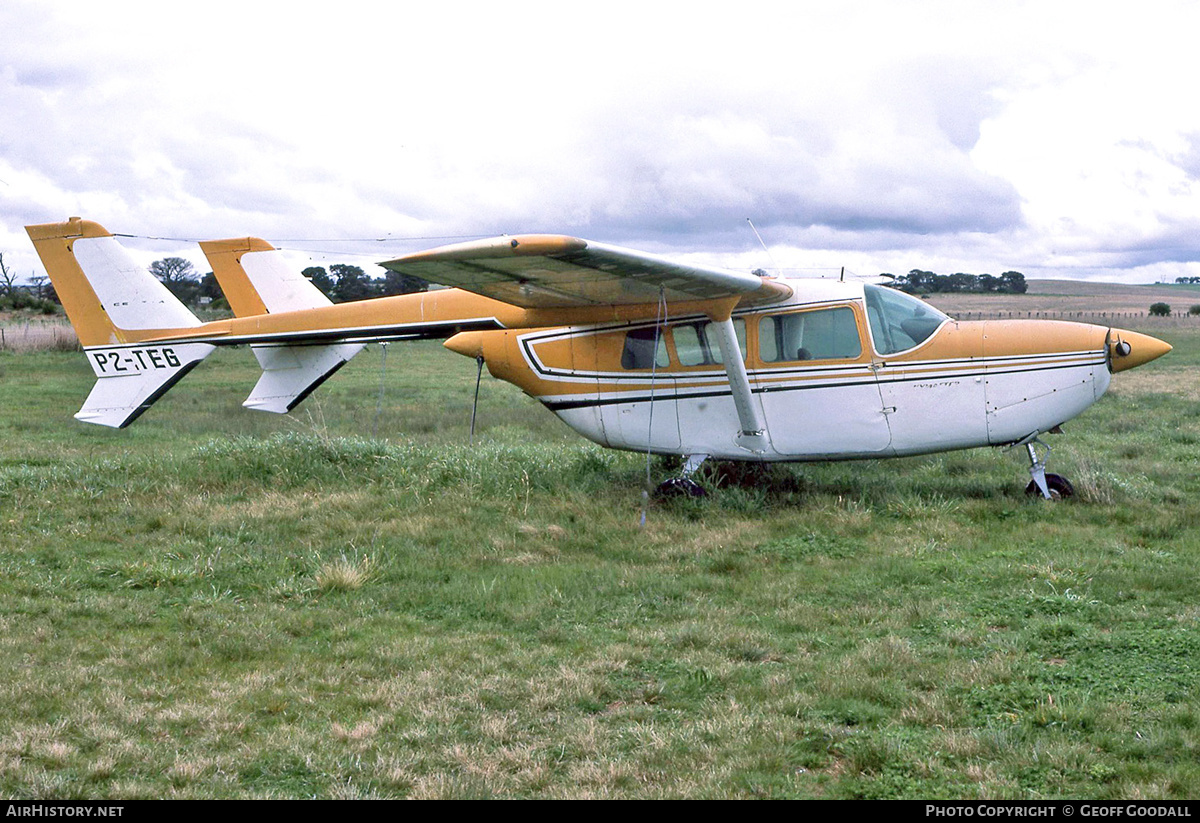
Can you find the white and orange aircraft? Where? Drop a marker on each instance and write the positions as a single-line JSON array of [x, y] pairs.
[[629, 349]]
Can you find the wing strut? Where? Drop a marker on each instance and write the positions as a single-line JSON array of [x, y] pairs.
[[753, 436]]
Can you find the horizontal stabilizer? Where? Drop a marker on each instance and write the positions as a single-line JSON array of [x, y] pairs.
[[132, 378], [291, 373]]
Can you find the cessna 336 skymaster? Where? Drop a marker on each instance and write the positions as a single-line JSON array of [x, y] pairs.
[[629, 349]]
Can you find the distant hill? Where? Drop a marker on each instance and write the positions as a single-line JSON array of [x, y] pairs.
[[1074, 296]]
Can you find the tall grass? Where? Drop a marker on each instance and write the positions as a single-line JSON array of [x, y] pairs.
[[37, 333]]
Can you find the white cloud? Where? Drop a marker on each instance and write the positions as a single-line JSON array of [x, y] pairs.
[[1048, 137]]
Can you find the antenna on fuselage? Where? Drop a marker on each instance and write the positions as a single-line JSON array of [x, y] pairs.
[[774, 265]]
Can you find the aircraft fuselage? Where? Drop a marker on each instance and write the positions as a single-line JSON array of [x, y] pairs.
[[832, 373]]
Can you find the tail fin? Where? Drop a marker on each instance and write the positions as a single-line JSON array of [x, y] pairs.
[[256, 279], [115, 304]]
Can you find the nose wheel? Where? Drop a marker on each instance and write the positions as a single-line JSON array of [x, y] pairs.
[[1048, 486], [1058, 487]]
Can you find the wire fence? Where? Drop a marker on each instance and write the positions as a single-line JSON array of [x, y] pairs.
[[1099, 318]]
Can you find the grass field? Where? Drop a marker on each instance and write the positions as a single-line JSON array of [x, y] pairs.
[[354, 602]]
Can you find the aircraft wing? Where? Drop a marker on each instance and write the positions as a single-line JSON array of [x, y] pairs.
[[555, 271]]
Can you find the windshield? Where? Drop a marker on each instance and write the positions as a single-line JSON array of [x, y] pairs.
[[899, 321]]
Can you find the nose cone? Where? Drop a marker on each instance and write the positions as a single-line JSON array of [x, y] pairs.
[[1127, 349]]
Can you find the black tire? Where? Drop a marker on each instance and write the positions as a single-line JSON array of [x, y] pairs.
[[1059, 486], [679, 487]]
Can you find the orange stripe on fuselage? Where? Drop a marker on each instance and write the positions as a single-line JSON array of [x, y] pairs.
[[571, 364]]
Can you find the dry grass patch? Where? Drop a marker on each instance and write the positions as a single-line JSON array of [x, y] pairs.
[[529, 545], [345, 574], [185, 771], [359, 733], [931, 709]]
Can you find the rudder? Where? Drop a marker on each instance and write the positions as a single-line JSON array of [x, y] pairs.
[[256, 280], [116, 307]]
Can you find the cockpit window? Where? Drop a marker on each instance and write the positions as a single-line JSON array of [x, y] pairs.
[[899, 321]]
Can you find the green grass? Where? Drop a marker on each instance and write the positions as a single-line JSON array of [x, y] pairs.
[[222, 603]]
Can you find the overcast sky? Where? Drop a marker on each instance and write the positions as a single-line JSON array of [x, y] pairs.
[[1057, 139]]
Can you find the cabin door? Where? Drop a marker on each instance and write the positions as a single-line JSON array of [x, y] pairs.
[[819, 392]]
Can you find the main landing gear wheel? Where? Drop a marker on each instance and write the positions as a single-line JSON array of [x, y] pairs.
[[679, 487], [1059, 486], [683, 485]]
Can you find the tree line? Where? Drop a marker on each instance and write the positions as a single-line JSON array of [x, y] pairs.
[[341, 283], [36, 297], [926, 282]]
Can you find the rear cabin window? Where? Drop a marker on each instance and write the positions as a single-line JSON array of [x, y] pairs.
[[696, 343], [823, 334], [645, 349]]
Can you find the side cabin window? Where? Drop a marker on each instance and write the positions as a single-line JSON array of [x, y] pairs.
[[644, 349], [899, 321], [696, 343], [821, 334]]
